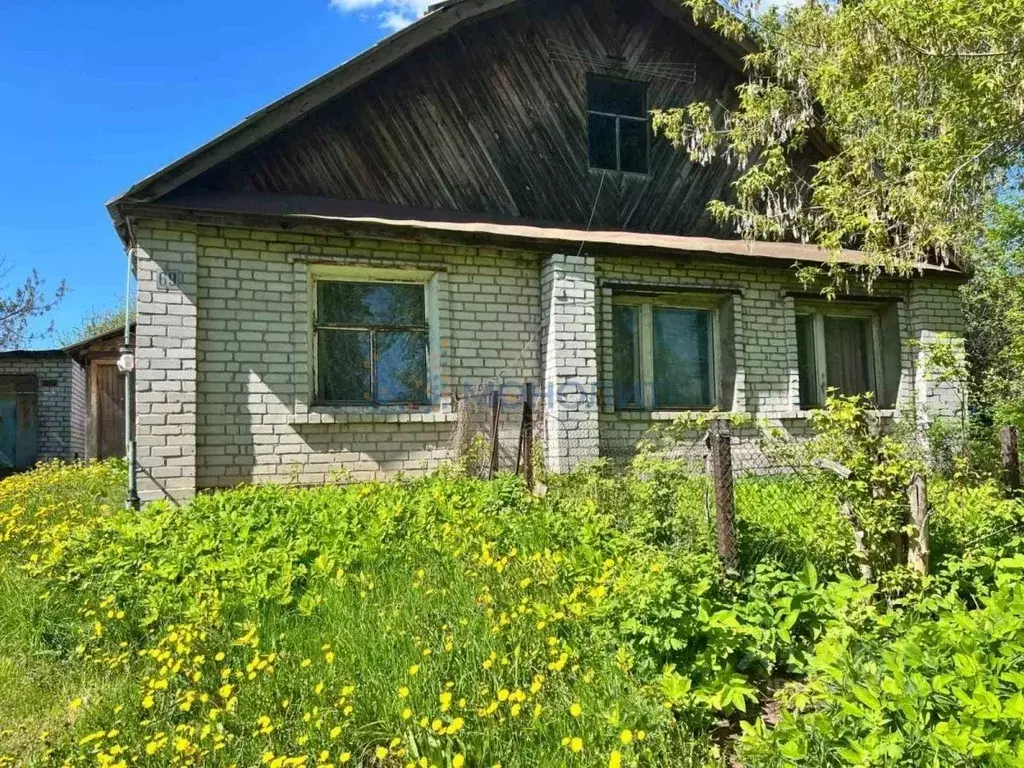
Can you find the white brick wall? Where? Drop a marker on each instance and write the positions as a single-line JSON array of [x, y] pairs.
[[224, 381], [255, 421], [60, 403], [767, 385], [569, 343], [165, 381]]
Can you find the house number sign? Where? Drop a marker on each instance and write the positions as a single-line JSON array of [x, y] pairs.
[[168, 280]]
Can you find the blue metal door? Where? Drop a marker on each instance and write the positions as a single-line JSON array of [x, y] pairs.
[[18, 423], [8, 434]]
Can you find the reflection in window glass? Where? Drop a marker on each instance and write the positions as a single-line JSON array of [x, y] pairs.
[[372, 343], [626, 362], [365, 304], [809, 397], [401, 365], [682, 358], [344, 366]]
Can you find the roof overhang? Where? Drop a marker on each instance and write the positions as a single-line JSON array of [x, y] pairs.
[[442, 19], [305, 214]]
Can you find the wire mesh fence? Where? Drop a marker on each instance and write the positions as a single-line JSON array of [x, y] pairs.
[[495, 429]]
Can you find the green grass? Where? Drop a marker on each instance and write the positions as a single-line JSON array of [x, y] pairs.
[[281, 626]]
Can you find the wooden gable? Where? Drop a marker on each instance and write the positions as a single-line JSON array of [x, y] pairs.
[[491, 119]]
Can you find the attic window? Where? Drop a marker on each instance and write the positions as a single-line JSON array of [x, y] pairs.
[[618, 124]]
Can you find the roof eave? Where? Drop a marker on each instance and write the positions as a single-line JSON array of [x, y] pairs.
[[287, 109]]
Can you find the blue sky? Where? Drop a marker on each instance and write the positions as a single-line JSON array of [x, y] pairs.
[[98, 94]]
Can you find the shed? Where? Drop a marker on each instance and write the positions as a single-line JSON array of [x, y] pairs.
[[42, 408], [104, 393]]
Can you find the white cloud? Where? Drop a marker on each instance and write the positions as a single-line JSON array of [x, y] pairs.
[[392, 14]]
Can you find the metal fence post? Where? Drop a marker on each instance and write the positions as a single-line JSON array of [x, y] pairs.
[[1009, 444], [495, 426], [720, 445]]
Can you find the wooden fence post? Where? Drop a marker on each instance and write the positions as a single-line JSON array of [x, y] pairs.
[[860, 539], [1009, 443], [495, 425], [720, 445], [920, 549]]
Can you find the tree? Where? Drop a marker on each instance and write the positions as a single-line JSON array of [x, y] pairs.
[[96, 323], [887, 125], [26, 302]]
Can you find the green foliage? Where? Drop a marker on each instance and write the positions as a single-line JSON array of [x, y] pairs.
[[940, 683], [883, 462], [96, 323], [453, 619], [886, 124]]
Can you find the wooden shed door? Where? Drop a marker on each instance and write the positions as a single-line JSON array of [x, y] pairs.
[[18, 426], [107, 410]]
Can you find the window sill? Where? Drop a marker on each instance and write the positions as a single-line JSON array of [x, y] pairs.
[[671, 415], [804, 414], [359, 415]]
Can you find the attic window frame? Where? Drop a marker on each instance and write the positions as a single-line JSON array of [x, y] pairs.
[[646, 120]]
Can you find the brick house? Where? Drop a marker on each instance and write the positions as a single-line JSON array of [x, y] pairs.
[[479, 199]]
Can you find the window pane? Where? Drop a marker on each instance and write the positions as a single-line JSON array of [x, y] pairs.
[[401, 367], [633, 145], [343, 366], [602, 143], [810, 396], [849, 355], [616, 97], [626, 356], [364, 304], [682, 358]]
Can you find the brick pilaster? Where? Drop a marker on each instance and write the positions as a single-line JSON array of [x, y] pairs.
[[569, 349], [165, 381]]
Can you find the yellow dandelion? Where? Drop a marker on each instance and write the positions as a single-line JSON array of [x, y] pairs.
[[403, 692], [381, 753], [626, 737], [575, 710], [329, 657], [414, 670], [344, 757], [615, 760], [406, 713], [576, 745], [306, 663], [458, 761], [446, 701]]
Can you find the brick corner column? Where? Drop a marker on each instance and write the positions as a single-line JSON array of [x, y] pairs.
[[165, 353], [934, 310], [569, 360]]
